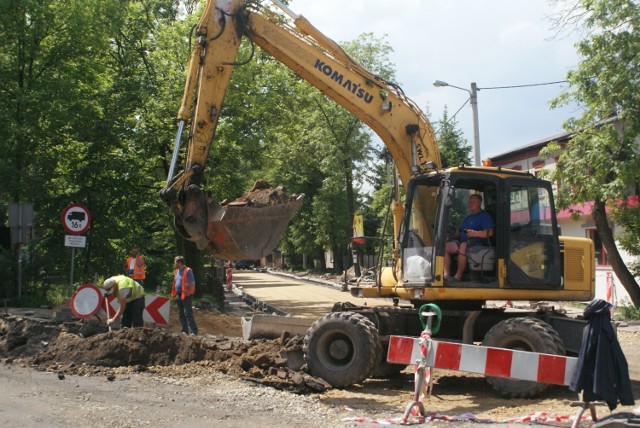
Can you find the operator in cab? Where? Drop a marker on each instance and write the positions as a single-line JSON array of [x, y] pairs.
[[476, 228]]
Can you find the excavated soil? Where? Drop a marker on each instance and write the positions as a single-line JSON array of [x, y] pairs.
[[263, 194], [86, 348]]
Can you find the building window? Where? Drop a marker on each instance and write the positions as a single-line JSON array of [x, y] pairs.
[[601, 253], [538, 164]]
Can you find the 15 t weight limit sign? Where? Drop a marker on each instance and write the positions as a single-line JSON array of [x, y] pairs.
[[76, 219]]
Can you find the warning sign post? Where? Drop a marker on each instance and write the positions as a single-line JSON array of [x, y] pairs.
[[76, 220]]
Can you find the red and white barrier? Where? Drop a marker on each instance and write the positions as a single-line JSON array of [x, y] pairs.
[[508, 363]]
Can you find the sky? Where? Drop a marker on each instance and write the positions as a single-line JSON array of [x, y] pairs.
[[494, 43]]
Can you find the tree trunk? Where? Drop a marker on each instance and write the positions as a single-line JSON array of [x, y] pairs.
[[627, 280]]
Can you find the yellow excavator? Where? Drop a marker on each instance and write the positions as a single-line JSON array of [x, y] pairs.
[[526, 259]]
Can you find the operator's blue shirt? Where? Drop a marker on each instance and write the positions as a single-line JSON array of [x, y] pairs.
[[190, 278], [479, 221]]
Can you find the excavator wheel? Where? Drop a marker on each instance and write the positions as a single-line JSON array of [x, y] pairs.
[[342, 348], [385, 370], [382, 369], [523, 334]]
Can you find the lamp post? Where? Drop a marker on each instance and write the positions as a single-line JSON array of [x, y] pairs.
[[473, 96]]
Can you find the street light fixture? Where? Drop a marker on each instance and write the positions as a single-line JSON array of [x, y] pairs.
[[473, 96]]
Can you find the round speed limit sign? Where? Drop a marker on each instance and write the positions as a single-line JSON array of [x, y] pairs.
[[76, 219]]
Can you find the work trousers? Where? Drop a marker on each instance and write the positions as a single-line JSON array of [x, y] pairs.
[[185, 310], [132, 315]]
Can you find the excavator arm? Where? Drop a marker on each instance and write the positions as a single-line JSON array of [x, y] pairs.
[[250, 232]]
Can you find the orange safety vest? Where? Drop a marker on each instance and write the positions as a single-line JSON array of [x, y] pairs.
[[138, 268], [186, 288]]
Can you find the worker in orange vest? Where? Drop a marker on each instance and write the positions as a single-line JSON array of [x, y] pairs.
[[134, 266], [182, 290]]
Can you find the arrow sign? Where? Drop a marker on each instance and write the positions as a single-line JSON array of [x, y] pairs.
[[156, 309]]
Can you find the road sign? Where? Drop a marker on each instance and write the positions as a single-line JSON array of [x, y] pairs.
[[86, 301], [20, 222], [156, 309], [76, 219], [75, 241]]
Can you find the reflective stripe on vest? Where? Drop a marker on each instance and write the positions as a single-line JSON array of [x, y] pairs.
[[138, 271]]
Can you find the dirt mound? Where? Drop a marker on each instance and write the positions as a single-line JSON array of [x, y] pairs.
[[263, 194], [66, 350]]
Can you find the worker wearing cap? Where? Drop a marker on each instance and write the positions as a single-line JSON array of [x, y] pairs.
[[182, 290], [130, 296]]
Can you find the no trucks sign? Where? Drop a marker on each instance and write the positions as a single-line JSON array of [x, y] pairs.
[[76, 219]]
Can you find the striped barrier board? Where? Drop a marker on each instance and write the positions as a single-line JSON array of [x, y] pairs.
[[499, 362]]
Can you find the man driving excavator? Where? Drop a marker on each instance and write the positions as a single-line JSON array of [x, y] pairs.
[[476, 227]]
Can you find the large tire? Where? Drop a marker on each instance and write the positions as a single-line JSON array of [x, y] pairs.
[[522, 334], [341, 348], [385, 370], [381, 368]]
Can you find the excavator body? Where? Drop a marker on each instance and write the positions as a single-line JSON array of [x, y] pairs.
[[526, 259]]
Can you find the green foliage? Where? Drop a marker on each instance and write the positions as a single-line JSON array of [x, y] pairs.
[[90, 91], [600, 163], [627, 311], [454, 149]]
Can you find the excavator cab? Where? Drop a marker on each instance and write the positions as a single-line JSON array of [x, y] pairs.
[[523, 252]]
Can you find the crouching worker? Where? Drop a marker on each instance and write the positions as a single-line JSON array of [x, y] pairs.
[[182, 290], [130, 296]]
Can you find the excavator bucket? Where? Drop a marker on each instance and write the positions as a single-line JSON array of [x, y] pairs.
[[248, 228]]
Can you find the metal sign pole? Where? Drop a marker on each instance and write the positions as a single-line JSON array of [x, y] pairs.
[[73, 255], [19, 271]]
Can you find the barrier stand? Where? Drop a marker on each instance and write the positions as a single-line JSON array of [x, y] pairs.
[[423, 376], [584, 405]]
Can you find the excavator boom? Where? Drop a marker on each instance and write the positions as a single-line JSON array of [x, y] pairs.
[[251, 231]]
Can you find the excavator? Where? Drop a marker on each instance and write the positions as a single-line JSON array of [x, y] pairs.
[[526, 259]]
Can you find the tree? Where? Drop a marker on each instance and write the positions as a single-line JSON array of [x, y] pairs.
[[600, 163], [78, 87], [348, 150], [454, 149]]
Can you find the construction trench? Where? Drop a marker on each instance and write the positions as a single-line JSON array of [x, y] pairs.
[[71, 347]]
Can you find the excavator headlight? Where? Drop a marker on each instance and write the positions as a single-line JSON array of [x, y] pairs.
[[386, 106]]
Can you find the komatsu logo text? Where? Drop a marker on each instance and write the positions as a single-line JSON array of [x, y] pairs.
[[354, 88]]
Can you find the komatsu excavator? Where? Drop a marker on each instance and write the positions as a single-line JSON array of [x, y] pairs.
[[524, 260]]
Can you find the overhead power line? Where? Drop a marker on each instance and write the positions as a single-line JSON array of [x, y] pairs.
[[526, 86]]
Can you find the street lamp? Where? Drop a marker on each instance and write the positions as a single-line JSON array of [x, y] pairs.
[[473, 96]]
